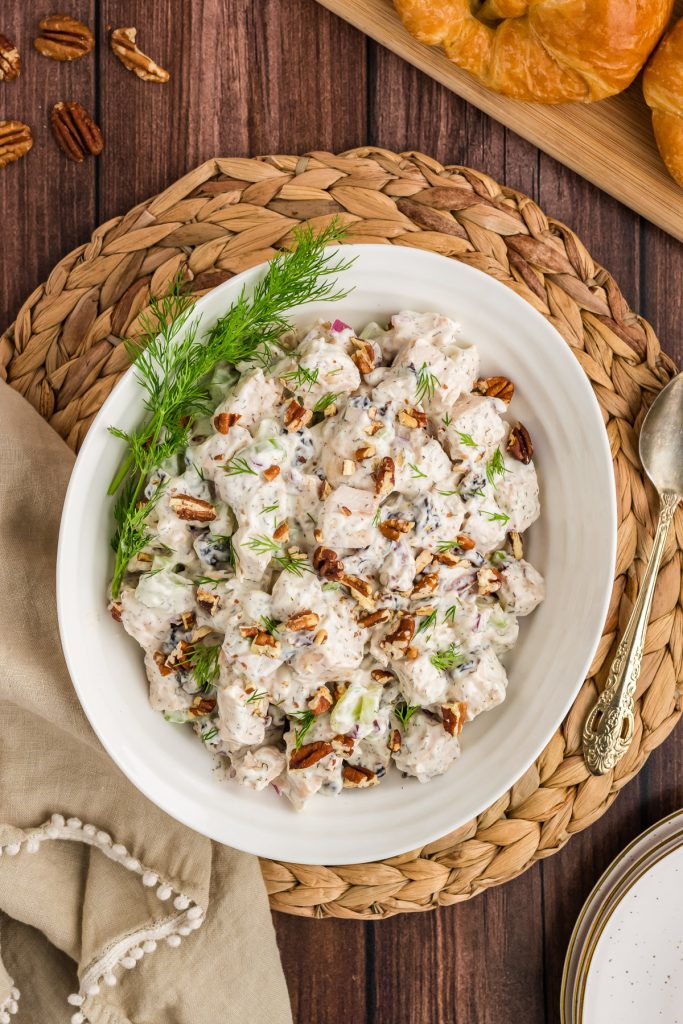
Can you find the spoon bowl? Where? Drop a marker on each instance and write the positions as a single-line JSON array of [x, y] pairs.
[[661, 439]]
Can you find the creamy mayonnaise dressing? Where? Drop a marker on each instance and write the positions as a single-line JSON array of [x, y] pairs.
[[341, 544]]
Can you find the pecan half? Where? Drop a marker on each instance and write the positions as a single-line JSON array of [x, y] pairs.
[[10, 61], [296, 416], [364, 356], [393, 528], [309, 754], [394, 741], [225, 420], [15, 141], [359, 587], [496, 387], [489, 580], [465, 542], [76, 133], [385, 476], [327, 564], [454, 717], [357, 777], [191, 509], [303, 621], [519, 444], [123, 44], [201, 706], [63, 38], [516, 545], [374, 618], [321, 701], [403, 634]]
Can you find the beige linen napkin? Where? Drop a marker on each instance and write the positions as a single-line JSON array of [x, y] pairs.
[[110, 911]]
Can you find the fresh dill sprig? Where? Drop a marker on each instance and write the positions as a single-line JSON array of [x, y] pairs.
[[377, 516], [467, 439], [270, 625], [446, 419], [426, 623], [207, 581], [173, 365], [270, 508], [238, 465], [210, 734], [404, 712], [305, 720], [417, 472], [256, 695], [450, 658], [296, 564], [300, 377], [495, 466], [447, 494], [495, 517], [450, 613], [426, 384], [447, 545], [204, 664], [325, 401], [262, 544]]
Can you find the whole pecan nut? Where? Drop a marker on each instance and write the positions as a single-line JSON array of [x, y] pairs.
[[123, 44], [191, 509], [10, 61], [309, 754], [15, 141], [496, 387], [75, 131], [519, 444], [63, 38]]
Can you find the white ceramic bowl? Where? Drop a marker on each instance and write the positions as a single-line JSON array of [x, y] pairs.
[[573, 544]]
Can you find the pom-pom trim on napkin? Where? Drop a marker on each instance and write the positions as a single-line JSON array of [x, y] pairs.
[[129, 951]]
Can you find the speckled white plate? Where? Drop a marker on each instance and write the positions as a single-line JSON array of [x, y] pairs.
[[634, 974], [573, 544], [589, 970]]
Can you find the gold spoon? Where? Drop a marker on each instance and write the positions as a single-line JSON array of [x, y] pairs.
[[608, 731]]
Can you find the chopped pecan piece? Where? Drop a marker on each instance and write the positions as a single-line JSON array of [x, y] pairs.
[[364, 356], [348, 467], [454, 717], [422, 561], [296, 416], [320, 638], [201, 706], [345, 511], [194, 510], [374, 618], [447, 558], [426, 585], [358, 587], [424, 609], [516, 545], [406, 419], [303, 621], [403, 634], [188, 620], [358, 777], [496, 387], [412, 653], [318, 535], [10, 61], [380, 675], [418, 415], [327, 564], [63, 38], [343, 745], [309, 754], [281, 532], [249, 631], [385, 476], [338, 690], [160, 660], [465, 542], [271, 472], [519, 444], [208, 600], [489, 580], [321, 701], [394, 741], [225, 420], [133, 59], [115, 609], [265, 643], [324, 489], [366, 452], [393, 528]]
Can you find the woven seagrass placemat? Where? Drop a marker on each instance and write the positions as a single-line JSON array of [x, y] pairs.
[[64, 354]]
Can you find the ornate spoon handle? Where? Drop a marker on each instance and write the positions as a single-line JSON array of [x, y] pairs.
[[608, 731]]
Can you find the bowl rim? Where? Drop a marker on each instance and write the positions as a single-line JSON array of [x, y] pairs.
[[74, 496]]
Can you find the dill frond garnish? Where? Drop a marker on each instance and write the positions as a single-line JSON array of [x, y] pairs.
[[305, 720], [450, 658], [300, 377], [326, 401], [173, 365], [417, 472], [237, 466], [466, 439], [495, 466], [426, 623], [210, 734], [426, 384], [404, 712], [204, 664], [495, 517]]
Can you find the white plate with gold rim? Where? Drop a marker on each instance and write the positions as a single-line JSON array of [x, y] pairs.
[[606, 935]]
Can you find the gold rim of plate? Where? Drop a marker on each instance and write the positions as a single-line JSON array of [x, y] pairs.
[[609, 903]]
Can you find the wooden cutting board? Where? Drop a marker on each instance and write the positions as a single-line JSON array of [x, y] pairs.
[[610, 142]]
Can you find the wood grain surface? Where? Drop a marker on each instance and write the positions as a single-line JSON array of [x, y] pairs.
[[256, 76], [610, 143]]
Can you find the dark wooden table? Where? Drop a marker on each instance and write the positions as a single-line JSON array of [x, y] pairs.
[[260, 76]]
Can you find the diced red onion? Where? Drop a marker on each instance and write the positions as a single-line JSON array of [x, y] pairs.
[[339, 325]]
